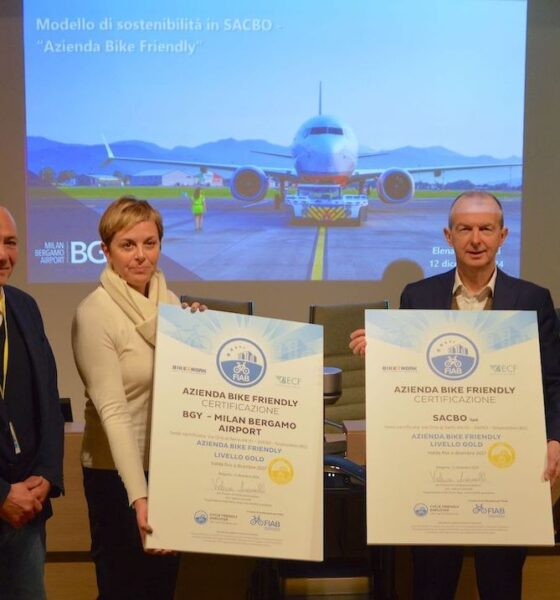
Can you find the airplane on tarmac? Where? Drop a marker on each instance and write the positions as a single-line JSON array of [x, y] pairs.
[[324, 151]]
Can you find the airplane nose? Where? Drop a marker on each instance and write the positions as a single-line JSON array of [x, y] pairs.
[[328, 158], [336, 160]]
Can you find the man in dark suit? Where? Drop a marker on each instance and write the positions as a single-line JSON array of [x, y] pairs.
[[476, 232], [31, 432]]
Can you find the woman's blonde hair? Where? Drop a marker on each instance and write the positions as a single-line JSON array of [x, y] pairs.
[[124, 213]]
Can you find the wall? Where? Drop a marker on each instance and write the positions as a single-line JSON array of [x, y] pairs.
[[541, 242]]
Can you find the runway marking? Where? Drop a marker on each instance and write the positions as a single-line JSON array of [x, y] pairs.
[[258, 203], [319, 255]]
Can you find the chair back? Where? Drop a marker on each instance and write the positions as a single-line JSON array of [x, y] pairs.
[[339, 321], [240, 307]]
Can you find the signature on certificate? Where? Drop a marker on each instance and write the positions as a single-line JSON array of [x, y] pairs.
[[220, 485], [457, 476]]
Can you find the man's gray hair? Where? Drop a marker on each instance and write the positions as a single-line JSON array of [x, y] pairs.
[[477, 194]]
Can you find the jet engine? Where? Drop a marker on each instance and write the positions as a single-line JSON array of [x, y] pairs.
[[249, 183], [395, 186]]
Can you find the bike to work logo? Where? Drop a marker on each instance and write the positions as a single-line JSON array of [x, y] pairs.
[[452, 356], [241, 362]]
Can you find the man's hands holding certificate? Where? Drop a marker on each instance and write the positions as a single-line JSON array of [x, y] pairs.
[[358, 342], [552, 471]]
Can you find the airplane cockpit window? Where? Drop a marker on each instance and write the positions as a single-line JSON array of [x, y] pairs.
[[323, 130]]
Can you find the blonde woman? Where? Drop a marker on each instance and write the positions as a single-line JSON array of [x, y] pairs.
[[113, 338]]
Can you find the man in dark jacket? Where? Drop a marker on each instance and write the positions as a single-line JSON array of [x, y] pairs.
[[476, 232], [31, 432]]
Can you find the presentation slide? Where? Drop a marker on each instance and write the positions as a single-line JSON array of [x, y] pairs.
[[287, 140]]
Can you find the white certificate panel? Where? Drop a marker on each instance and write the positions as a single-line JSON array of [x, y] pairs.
[[456, 442], [236, 459]]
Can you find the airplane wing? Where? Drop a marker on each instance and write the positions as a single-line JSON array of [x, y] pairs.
[[396, 185], [364, 174], [272, 154], [280, 173], [439, 170]]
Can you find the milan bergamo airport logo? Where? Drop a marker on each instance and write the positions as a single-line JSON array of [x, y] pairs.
[[452, 356]]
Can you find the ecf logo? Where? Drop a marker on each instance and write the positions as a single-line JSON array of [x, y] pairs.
[[507, 369], [286, 380]]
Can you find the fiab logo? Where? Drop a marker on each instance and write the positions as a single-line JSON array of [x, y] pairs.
[[241, 362], [452, 356]]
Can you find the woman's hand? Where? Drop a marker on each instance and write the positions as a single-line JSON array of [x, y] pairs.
[[141, 508], [358, 342], [195, 306]]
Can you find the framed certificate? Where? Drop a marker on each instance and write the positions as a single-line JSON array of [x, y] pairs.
[[456, 441], [236, 459]]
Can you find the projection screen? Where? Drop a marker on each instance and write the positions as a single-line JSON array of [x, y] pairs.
[[328, 139]]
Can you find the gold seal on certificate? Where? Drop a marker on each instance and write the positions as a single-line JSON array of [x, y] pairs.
[[280, 470], [501, 455], [456, 442], [237, 432]]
